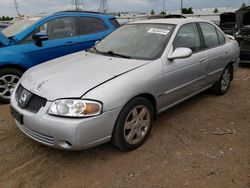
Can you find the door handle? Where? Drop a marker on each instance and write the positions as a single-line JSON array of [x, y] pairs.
[[203, 59], [227, 51], [70, 43]]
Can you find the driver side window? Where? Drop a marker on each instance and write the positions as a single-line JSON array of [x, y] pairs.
[[188, 37], [59, 28]]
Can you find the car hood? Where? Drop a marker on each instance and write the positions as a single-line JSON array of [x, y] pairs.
[[3, 39], [74, 75]]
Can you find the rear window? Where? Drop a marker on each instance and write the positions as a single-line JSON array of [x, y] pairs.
[[221, 37], [115, 23], [210, 35], [88, 25]]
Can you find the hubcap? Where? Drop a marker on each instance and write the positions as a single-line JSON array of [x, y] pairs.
[[137, 124], [7, 85], [225, 80]]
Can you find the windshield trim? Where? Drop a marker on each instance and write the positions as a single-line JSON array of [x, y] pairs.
[[162, 49]]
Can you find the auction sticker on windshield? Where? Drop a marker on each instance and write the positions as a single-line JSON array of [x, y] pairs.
[[159, 31]]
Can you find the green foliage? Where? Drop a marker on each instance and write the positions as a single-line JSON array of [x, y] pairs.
[[5, 18], [162, 13], [187, 10], [216, 10], [152, 12], [119, 14], [243, 5]]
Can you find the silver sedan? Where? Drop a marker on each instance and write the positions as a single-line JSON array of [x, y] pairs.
[[114, 91]]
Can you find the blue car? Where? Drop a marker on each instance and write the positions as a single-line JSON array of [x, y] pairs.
[[35, 40]]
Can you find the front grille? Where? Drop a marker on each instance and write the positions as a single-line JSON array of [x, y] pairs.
[[46, 139], [34, 102]]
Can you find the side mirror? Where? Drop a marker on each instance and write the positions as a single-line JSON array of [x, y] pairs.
[[39, 37], [96, 42], [180, 53]]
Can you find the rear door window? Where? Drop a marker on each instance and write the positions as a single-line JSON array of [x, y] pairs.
[[221, 37], [88, 25], [210, 35]]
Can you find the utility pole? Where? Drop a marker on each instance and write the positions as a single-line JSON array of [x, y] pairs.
[[17, 8], [181, 6], [103, 6], [77, 4], [163, 6]]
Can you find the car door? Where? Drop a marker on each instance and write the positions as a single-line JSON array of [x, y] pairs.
[[217, 52], [184, 77], [91, 29], [62, 40]]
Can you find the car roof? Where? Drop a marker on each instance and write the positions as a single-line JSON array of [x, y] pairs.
[[84, 12], [174, 21]]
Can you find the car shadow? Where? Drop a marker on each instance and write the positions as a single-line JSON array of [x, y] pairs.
[[245, 65]]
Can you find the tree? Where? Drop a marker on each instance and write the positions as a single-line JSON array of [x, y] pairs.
[[119, 14], [5, 18], [243, 5], [162, 13], [152, 12], [187, 10], [216, 10]]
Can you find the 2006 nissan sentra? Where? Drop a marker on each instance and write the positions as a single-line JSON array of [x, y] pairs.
[[115, 90]]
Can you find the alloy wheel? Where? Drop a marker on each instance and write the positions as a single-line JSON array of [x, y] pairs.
[[225, 81], [137, 124], [7, 85]]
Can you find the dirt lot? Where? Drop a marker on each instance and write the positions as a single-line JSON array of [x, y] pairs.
[[204, 142]]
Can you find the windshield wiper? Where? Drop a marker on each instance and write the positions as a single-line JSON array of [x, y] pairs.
[[111, 53], [95, 49]]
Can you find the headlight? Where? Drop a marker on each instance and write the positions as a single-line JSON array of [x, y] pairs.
[[75, 108]]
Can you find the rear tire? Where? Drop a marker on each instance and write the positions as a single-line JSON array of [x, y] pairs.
[[133, 124], [9, 78], [222, 85]]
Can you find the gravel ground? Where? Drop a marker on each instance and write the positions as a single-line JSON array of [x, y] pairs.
[[204, 142]]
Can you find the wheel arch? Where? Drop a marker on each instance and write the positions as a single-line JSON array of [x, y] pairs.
[[14, 66], [150, 98], [231, 65]]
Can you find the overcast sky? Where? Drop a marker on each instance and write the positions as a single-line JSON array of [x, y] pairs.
[[32, 7]]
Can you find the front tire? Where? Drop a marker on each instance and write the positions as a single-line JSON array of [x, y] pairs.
[[9, 78], [222, 85], [133, 124]]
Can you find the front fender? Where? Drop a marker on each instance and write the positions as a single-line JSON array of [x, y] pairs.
[[118, 91], [10, 57]]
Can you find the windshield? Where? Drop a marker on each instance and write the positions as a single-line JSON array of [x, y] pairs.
[[19, 26], [136, 41]]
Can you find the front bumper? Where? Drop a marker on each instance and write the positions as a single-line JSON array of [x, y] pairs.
[[66, 133]]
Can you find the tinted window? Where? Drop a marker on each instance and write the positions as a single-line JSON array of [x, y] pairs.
[[89, 25], [59, 28], [188, 36], [115, 23], [210, 35], [221, 37]]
